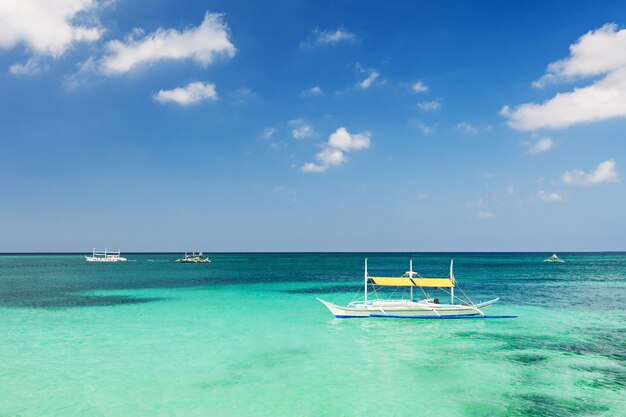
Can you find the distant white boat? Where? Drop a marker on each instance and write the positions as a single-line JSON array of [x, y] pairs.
[[554, 259], [428, 307], [105, 256], [194, 258]]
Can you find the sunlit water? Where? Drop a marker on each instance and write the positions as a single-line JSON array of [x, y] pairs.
[[245, 336]]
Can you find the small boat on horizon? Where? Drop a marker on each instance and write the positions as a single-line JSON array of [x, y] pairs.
[[428, 307], [554, 259], [194, 258], [105, 256]]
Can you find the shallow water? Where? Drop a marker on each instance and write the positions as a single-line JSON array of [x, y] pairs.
[[244, 336]]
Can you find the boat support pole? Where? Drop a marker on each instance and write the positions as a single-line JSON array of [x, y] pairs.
[[365, 274], [411, 276], [453, 282]]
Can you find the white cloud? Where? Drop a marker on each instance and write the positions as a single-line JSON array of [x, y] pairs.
[[48, 27], [467, 128], [424, 128], [82, 76], [241, 95], [367, 83], [192, 93], [313, 167], [599, 53], [330, 157], [510, 189], [281, 189], [472, 129], [301, 130], [202, 44], [313, 91], [549, 196], [30, 67], [269, 132], [333, 37], [421, 196], [344, 141], [334, 153], [419, 87], [429, 105], [605, 172], [540, 146], [479, 202]]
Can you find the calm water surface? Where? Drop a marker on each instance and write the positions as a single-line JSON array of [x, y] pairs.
[[244, 336]]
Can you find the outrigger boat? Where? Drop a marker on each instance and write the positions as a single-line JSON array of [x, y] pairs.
[[194, 258], [554, 259], [105, 256], [427, 308]]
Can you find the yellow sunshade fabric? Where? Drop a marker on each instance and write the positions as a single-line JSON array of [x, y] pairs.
[[412, 282]]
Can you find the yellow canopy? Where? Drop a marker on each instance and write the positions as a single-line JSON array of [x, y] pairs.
[[412, 282]]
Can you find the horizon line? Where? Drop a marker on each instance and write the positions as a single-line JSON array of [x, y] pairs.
[[312, 252]]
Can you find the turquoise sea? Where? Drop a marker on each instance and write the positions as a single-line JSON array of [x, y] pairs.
[[245, 336]]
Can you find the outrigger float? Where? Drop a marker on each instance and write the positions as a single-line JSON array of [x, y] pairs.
[[426, 308]]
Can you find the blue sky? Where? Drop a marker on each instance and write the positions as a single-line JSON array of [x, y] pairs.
[[312, 126]]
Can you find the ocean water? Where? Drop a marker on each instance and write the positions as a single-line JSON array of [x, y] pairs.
[[245, 336]]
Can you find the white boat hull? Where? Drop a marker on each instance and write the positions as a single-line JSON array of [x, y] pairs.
[[111, 259], [409, 310], [187, 261]]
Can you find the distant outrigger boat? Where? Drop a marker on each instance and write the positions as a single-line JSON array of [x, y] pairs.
[[194, 258], [105, 256], [554, 259], [426, 308]]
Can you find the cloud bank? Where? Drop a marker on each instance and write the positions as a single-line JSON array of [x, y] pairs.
[[599, 53], [47, 27]]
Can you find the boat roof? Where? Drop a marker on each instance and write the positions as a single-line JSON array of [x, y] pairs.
[[105, 252], [412, 282]]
